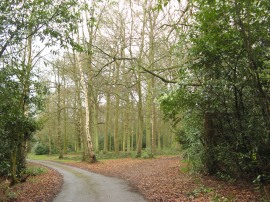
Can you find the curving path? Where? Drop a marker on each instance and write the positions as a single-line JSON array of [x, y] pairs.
[[81, 186]]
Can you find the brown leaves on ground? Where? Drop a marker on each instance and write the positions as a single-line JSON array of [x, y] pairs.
[[42, 187], [162, 179]]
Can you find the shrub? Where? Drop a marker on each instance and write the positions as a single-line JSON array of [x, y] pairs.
[[41, 149], [147, 153], [4, 167]]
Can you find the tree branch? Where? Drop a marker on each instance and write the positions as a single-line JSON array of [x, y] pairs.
[[158, 76]]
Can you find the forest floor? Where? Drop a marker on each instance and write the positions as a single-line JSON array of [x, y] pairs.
[[167, 179], [43, 185], [164, 178]]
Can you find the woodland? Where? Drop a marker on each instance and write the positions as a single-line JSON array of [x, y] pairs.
[[137, 79]]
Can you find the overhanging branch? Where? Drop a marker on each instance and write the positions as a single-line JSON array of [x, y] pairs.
[[158, 76], [114, 58]]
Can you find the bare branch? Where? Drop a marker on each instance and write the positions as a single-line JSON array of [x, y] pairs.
[[158, 76]]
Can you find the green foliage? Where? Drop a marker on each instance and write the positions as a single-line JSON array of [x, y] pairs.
[[34, 170], [200, 190], [21, 95], [11, 195], [168, 151], [219, 198], [15, 126], [147, 153], [224, 119], [112, 155], [161, 4], [180, 106], [41, 149], [4, 166], [45, 19]]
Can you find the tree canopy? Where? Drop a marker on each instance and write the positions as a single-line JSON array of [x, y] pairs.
[[22, 23], [227, 114]]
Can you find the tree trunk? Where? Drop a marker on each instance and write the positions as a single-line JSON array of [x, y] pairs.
[[95, 114], [116, 112], [148, 113], [89, 144], [126, 123], [21, 145], [59, 135], [50, 145], [107, 124], [140, 118], [129, 130], [139, 88], [116, 118], [153, 117], [13, 166], [152, 23], [78, 115], [65, 118]]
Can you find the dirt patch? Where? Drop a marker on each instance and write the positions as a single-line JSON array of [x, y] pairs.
[[42, 187], [165, 179]]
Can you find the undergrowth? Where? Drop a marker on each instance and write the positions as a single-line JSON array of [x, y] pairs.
[[34, 170], [9, 194]]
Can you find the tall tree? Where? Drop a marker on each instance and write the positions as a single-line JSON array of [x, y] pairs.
[[21, 23], [89, 144], [59, 112], [228, 56]]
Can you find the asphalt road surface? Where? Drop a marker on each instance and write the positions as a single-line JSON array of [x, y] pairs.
[[81, 186]]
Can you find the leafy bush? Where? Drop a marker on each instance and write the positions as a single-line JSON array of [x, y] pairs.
[[225, 116], [4, 167], [41, 149], [147, 153]]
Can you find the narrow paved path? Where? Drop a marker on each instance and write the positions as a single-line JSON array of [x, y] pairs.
[[81, 186]]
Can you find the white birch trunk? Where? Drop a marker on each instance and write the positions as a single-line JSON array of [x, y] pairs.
[[89, 143]]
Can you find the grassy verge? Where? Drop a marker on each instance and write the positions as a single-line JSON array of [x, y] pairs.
[[146, 153], [76, 157], [68, 157]]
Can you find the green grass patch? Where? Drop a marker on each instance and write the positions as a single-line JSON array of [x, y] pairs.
[[67, 158], [42, 157], [34, 170], [113, 155], [78, 157], [169, 152], [146, 153]]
